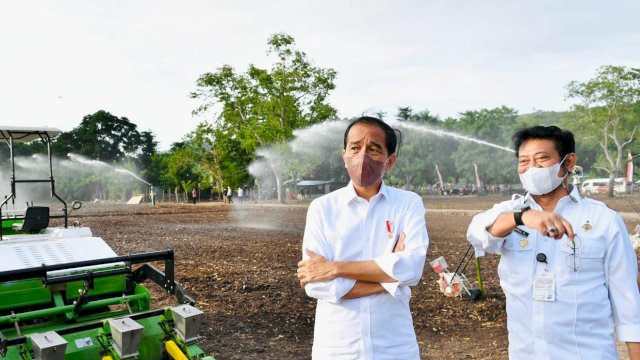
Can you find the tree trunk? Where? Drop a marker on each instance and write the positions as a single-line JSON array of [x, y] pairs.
[[278, 177], [612, 184], [407, 181], [614, 173]]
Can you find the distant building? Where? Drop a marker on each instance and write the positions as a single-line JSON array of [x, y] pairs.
[[311, 189]]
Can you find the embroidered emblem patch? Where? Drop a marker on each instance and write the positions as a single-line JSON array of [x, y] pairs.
[[524, 243]]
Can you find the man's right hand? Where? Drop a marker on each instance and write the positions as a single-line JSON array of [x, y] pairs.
[[548, 224], [545, 222], [400, 243]]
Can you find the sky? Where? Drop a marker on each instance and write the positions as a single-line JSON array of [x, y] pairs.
[[140, 59]]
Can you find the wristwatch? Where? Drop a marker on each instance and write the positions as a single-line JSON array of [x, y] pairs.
[[517, 215]]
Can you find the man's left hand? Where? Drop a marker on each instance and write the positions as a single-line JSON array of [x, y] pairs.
[[315, 269]]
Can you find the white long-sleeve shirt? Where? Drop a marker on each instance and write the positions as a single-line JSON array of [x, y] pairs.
[[603, 290], [344, 227]]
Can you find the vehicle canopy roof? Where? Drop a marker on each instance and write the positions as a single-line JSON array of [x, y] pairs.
[[26, 134]]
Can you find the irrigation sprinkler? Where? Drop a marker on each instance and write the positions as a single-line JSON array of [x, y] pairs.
[[125, 171]]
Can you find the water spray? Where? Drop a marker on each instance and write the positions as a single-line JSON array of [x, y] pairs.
[[120, 170], [439, 132]]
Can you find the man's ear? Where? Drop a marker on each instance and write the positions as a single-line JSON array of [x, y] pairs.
[[343, 158], [391, 161], [570, 162]]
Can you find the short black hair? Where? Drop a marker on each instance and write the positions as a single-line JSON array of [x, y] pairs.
[[565, 143], [390, 134]]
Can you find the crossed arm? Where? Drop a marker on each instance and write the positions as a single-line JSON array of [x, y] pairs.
[[367, 273]]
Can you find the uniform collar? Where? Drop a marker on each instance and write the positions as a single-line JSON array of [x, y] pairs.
[[350, 193], [573, 197]]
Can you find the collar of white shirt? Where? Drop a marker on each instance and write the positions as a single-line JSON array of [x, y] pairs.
[[350, 193]]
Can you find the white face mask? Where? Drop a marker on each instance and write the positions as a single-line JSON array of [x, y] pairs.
[[540, 181]]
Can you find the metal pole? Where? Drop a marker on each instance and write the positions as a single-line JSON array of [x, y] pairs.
[[480, 285], [53, 187], [13, 170], [50, 161]]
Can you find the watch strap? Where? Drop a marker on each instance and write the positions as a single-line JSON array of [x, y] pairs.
[[517, 216]]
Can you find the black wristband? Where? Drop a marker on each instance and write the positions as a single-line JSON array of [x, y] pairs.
[[517, 216]]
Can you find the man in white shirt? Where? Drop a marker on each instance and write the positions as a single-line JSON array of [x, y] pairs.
[[364, 246], [567, 267]]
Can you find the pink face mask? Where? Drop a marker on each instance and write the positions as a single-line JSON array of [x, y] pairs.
[[364, 171]]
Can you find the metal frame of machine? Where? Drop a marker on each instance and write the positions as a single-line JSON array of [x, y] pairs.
[[93, 308]]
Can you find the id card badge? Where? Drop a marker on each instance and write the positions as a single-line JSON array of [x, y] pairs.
[[544, 287]]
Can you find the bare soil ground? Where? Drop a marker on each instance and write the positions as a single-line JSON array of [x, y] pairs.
[[239, 262]]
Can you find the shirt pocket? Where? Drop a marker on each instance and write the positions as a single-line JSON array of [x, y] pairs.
[[581, 274], [588, 255], [515, 262]]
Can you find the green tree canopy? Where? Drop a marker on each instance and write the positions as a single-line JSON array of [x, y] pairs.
[[106, 137], [608, 115], [262, 107]]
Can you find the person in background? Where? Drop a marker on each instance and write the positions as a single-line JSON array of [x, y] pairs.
[[364, 245], [230, 195], [194, 195], [152, 196], [566, 263], [240, 194]]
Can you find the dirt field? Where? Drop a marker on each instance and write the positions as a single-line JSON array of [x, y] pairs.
[[239, 262]]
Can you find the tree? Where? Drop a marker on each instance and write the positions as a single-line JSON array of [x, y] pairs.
[[609, 107], [404, 113], [158, 167], [180, 169], [496, 126], [262, 107], [105, 137], [146, 150], [217, 157], [425, 117]]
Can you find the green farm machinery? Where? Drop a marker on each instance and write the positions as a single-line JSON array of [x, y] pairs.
[[65, 294]]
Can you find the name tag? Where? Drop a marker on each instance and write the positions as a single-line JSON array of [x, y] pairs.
[[544, 287], [521, 232]]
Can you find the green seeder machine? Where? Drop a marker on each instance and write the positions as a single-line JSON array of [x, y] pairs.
[[65, 294]]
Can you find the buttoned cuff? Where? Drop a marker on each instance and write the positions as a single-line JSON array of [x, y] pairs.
[[628, 333]]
